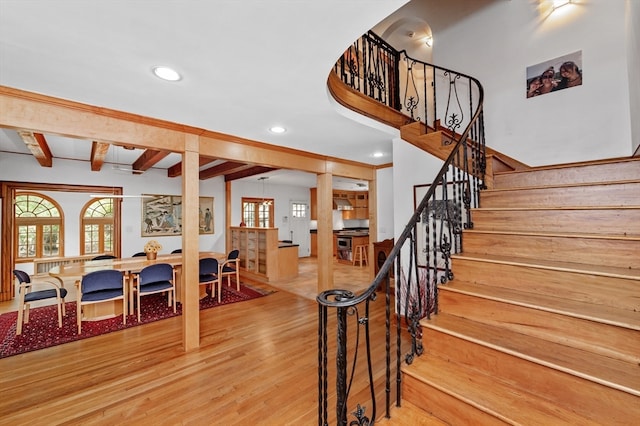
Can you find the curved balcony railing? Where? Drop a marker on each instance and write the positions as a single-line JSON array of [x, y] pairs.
[[447, 101]]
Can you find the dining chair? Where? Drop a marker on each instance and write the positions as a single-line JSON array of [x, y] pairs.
[[28, 295], [101, 286], [104, 257], [140, 254], [230, 267], [176, 251], [210, 275], [157, 278]]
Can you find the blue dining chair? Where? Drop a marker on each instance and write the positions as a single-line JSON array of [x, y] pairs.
[[231, 267], [104, 257], [157, 278], [101, 286], [210, 275], [26, 295]]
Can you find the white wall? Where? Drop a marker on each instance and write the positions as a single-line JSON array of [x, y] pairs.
[[24, 168], [633, 54], [384, 182], [418, 168], [587, 122]]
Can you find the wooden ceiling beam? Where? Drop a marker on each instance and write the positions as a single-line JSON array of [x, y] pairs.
[[176, 169], [223, 169], [99, 152], [148, 159], [255, 170], [38, 146]]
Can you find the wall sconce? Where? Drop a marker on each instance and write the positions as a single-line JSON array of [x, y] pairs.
[[559, 3], [428, 40]]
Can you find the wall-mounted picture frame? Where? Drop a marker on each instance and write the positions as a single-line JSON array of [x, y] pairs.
[[162, 215], [556, 74]]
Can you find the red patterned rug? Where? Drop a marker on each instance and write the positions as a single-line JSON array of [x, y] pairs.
[[42, 330]]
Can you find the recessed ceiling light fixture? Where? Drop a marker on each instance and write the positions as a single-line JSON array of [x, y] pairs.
[[378, 154], [277, 129], [166, 73]]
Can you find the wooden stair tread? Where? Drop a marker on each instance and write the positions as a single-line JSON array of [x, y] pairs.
[[561, 185], [410, 414], [550, 303], [489, 394], [597, 368], [604, 271], [556, 234]]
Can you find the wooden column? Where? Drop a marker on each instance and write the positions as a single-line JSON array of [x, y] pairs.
[[325, 231], [373, 224], [227, 215], [190, 244]]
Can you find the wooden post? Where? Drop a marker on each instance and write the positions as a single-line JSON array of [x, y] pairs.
[[190, 244], [325, 231]]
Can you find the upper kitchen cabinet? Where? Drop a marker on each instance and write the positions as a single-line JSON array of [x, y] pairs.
[[362, 205], [352, 204], [313, 196]]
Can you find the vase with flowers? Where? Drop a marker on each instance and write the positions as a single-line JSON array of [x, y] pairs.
[[152, 248]]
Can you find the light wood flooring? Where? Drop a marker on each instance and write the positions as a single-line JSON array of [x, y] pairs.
[[257, 365]]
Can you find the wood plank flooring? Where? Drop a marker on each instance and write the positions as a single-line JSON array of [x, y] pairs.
[[257, 365]]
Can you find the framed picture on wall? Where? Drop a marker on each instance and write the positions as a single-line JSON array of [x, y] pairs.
[[556, 74], [162, 215]]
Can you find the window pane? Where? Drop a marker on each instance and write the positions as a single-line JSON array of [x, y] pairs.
[[108, 238], [27, 241], [50, 237], [298, 210], [91, 239]]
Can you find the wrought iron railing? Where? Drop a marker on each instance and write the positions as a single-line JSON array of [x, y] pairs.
[[421, 257]]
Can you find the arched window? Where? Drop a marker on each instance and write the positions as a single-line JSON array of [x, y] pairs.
[[38, 221], [97, 227]]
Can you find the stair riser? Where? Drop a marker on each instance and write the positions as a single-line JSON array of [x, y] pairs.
[[624, 170], [621, 194], [608, 340], [588, 398], [444, 406], [614, 292], [622, 253], [604, 222]]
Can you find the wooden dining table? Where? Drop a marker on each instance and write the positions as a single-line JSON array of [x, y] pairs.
[[129, 266]]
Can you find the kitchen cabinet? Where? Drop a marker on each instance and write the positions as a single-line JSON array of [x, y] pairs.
[[314, 244], [361, 205], [313, 197]]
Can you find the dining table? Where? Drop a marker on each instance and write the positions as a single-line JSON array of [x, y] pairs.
[[129, 266]]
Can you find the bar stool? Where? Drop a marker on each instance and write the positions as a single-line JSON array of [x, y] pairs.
[[360, 255]]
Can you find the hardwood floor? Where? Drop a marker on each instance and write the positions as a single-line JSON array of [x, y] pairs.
[[257, 364]]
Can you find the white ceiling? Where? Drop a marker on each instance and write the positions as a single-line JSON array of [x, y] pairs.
[[246, 65]]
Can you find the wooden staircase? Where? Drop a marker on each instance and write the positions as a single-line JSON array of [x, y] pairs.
[[541, 324]]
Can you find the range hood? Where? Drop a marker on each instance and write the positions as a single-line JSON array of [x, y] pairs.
[[342, 204]]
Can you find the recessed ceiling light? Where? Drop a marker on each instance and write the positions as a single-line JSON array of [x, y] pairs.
[[277, 129], [166, 73], [378, 154]]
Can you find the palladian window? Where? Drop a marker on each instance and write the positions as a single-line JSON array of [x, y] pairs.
[[97, 227], [38, 221]]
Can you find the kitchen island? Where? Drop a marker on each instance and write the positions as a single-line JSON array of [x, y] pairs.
[[346, 241]]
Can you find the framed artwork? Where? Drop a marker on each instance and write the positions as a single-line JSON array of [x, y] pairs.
[[162, 215], [436, 226], [556, 74]]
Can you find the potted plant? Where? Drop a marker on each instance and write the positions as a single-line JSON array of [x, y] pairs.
[[152, 248]]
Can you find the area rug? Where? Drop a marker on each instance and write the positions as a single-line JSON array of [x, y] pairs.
[[42, 330]]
